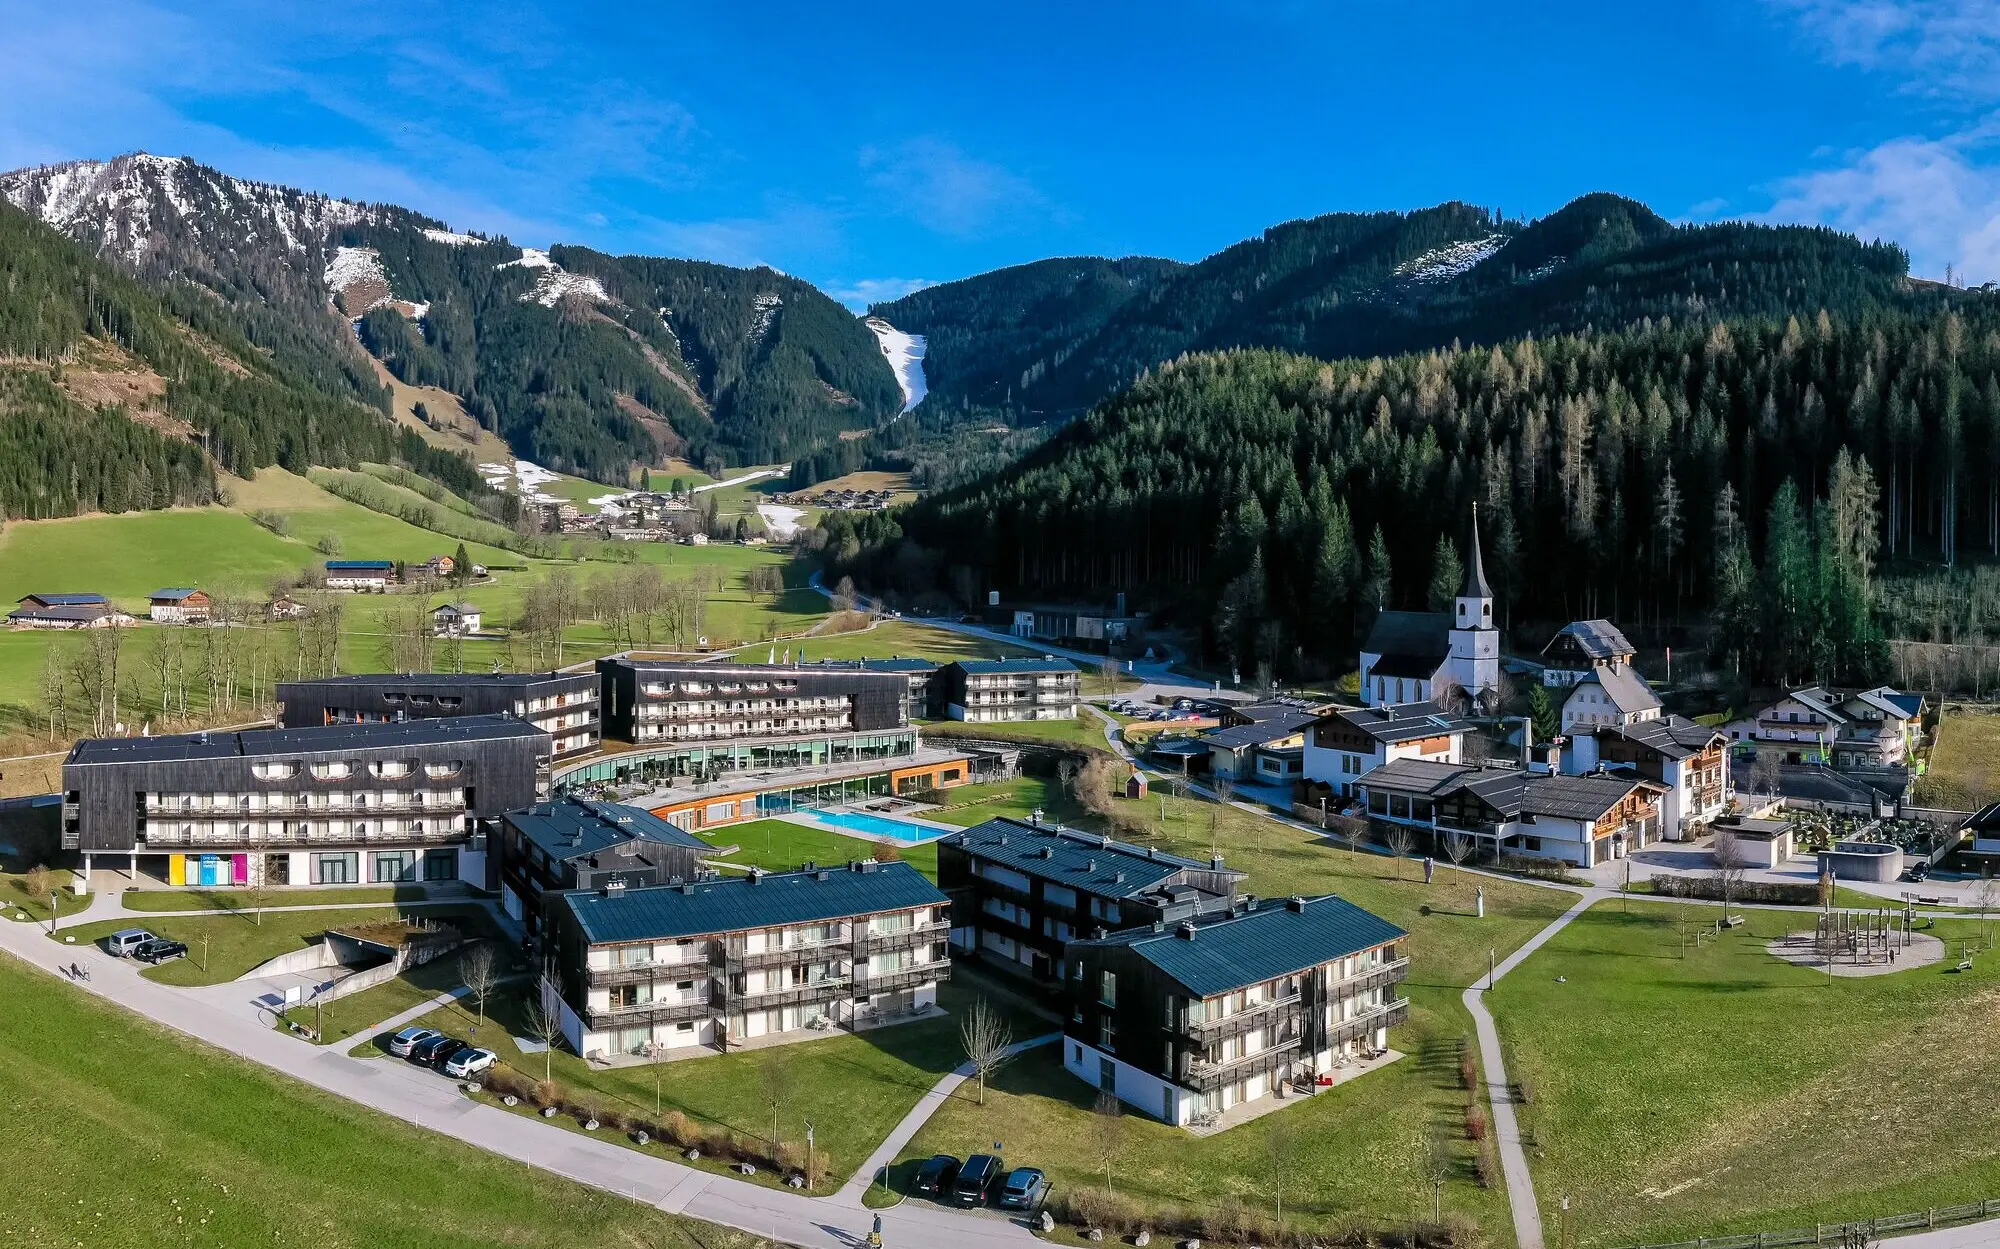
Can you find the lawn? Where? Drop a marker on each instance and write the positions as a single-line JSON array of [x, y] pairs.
[[853, 1087], [1085, 730], [1019, 799], [237, 943], [781, 846], [15, 900], [1964, 770], [1732, 1093], [342, 1018], [909, 639], [153, 901], [1358, 1147], [145, 1139]]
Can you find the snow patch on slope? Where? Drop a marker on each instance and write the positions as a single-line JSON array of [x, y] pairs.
[[356, 264], [905, 353], [766, 307], [554, 281], [450, 239], [523, 477], [1445, 263]]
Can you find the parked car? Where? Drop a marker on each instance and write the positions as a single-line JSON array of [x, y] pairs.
[[159, 950], [935, 1176], [976, 1179], [409, 1038], [1918, 872], [126, 940], [1023, 1189], [469, 1062], [435, 1048]]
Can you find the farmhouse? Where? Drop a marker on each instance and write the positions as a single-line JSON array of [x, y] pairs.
[[370, 576], [1192, 1018], [454, 620], [1875, 728], [1442, 656], [1022, 891], [1580, 646], [67, 611], [640, 972], [1691, 761], [179, 605], [336, 805]]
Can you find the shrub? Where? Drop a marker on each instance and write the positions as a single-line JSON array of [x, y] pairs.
[[1475, 1122], [547, 1093], [1483, 1168], [675, 1127], [886, 853], [1468, 1072], [616, 1120]]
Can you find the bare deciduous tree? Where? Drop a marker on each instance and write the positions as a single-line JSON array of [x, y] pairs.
[[988, 1041], [480, 971], [1400, 838], [776, 1079], [544, 1024], [1765, 773], [1457, 848], [1436, 1160], [1732, 865], [40, 882], [1108, 1132], [1281, 1145]]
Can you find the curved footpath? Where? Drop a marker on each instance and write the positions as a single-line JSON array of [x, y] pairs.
[[429, 1101]]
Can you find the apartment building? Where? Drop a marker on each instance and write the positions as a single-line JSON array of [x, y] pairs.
[[562, 704], [647, 702], [332, 805], [920, 673], [1690, 760], [1022, 891], [574, 843], [982, 691], [742, 960], [1190, 1019]]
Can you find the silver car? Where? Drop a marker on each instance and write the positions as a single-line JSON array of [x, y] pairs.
[[126, 940], [408, 1039]]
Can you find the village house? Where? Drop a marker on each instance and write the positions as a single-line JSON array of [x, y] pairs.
[[179, 605], [439, 566], [1593, 661], [1348, 743], [453, 620], [1581, 820], [1189, 1019], [1867, 729], [638, 972], [1690, 760], [1263, 743], [284, 607], [1436, 656], [1580, 646], [367, 576]]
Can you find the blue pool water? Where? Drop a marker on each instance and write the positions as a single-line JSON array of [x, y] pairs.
[[862, 822]]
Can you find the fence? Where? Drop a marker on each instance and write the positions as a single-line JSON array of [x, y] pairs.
[[1834, 1233]]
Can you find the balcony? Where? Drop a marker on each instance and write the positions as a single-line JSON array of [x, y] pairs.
[[903, 978], [1209, 1030], [1204, 1075], [647, 973], [230, 839], [649, 1012], [1387, 1015], [903, 939], [787, 995], [737, 960], [1380, 976]]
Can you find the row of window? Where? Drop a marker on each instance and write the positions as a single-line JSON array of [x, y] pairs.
[[339, 769]]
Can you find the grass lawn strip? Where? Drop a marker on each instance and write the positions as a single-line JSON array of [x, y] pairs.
[[344, 1017], [1964, 772], [157, 901], [146, 1139], [853, 1087], [1732, 1093], [782, 846], [237, 943]]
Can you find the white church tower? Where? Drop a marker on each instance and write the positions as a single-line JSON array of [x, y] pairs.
[[1474, 665]]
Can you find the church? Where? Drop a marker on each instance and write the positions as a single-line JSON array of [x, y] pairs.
[[1418, 656]]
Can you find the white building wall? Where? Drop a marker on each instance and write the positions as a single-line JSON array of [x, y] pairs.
[[1145, 1093]]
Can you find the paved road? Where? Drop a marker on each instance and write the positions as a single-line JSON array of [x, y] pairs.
[[420, 1097]]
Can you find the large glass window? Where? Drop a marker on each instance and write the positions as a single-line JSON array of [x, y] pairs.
[[395, 866], [441, 864], [339, 868]]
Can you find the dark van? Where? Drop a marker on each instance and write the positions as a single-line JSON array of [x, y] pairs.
[[975, 1178]]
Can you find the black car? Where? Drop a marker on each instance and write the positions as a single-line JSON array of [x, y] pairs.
[[976, 1179], [435, 1050], [159, 950], [1023, 1189], [935, 1176]]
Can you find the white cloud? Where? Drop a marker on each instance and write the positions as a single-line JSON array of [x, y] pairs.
[[1932, 196], [1939, 47], [860, 294], [940, 187]]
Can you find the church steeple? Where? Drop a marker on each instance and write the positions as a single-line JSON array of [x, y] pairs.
[[1475, 567]]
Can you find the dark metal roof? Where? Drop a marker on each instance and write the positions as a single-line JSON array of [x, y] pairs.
[[1270, 726], [1414, 776], [1215, 956], [446, 679], [66, 611], [1078, 860], [894, 663], [1578, 797], [995, 667], [1402, 722], [66, 600], [571, 828], [1409, 637], [173, 594], [1627, 690], [329, 739], [1598, 639], [759, 900], [1675, 737], [359, 565]]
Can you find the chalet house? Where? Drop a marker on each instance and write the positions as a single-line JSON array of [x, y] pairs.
[[1690, 760], [988, 690], [439, 566], [284, 607], [455, 620], [1583, 820], [1877, 728], [368, 576], [67, 611], [1350, 742], [1194, 1017], [573, 843], [1425, 656], [1609, 694], [1580, 646], [1260, 742], [765, 956], [179, 605], [1021, 891]]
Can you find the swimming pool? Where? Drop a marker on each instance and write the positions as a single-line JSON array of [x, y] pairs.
[[862, 822]]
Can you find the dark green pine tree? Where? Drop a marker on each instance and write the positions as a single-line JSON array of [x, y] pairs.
[[1447, 575]]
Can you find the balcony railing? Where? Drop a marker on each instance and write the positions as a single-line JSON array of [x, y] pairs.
[[652, 1012], [1204, 1075], [643, 973], [1388, 1015], [1243, 1020], [1376, 977], [232, 840], [902, 939], [903, 977], [816, 951], [787, 995], [320, 810]]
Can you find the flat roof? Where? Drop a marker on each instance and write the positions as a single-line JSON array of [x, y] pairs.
[[757, 900], [998, 667], [444, 678], [1401, 722], [1073, 858], [1263, 940], [371, 735]]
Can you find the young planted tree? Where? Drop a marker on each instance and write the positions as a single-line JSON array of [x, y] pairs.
[[479, 968], [1732, 866], [1436, 1162], [988, 1041], [777, 1080], [1457, 848], [544, 1023], [1400, 839], [1281, 1147], [1107, 1132]]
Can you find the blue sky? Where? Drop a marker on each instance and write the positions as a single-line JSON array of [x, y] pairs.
[[870, 148]]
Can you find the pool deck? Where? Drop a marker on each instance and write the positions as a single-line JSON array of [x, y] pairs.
[[925, 830]]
